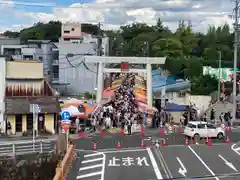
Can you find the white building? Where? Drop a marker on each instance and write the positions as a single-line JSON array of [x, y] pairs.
[[2, 92], [71, 77], [41, 50]]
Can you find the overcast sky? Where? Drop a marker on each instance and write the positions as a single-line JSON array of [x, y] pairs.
[[16, 15]]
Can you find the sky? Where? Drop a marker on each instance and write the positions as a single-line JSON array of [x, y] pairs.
[[19, 14]]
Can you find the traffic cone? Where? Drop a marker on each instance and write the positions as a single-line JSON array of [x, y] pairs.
[[162, 132], [209, 142], [118, 145], [179, 131], [164, 142], [102, 133], [186, 141], [142, 144], [122, 132], [192, 140], [143, 132], [81, 135], [227, 140], [94, 146]]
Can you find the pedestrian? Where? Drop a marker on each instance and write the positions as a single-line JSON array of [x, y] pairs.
[[129, 127]]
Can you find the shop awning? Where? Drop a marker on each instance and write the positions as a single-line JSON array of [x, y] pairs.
[[175, 107]]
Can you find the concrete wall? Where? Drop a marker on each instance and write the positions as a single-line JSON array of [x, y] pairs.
[[9, 41], [79, 78], [2, 92]]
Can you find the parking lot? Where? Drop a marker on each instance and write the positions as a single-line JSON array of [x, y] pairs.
[[220, 161]]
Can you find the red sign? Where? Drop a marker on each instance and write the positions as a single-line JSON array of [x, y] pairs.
[[65, 127], [124, 66]]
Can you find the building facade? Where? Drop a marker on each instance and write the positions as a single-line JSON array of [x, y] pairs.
[[72, 76], [2, 92], [40, 50], [8, 41]]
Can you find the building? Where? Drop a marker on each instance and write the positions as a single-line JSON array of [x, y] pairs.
[[41, 50], [8, 41], [2, 92], [25, 85], [71, 75]]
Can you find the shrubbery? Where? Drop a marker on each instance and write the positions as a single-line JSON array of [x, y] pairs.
[[29, 167]]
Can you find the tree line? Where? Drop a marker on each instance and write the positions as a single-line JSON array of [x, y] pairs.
[[186, 51]]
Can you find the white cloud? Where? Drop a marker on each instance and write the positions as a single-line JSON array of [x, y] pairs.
[[113, 13]]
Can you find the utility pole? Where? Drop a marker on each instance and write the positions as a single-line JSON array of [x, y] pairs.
[[99, 48], [236, 44], [219, 73]]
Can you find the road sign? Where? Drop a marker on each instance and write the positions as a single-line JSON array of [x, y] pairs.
[[65, 115], [91, 104], [65, 127], [222, 126]]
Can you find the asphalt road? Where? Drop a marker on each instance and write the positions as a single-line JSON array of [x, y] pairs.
[[221, 161]]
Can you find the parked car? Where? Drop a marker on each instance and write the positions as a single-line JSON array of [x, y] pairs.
[[203, 129]]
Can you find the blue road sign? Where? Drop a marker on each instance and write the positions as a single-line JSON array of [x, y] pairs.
[[91, 104], [65, 115]]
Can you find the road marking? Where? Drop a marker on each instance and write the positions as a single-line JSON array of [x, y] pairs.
[[235, 149], [103, 168], [94, 154], [228, 163], [89, 175], [200, 159], [182, 170], [121, 151], [92, 160], [154, 164], [90, 167]]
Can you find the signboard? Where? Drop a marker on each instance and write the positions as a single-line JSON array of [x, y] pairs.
[[65, 115], [65, 127], [128, 161], [124, 66]]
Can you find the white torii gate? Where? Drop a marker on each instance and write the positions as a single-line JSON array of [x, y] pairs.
[[102, 60]]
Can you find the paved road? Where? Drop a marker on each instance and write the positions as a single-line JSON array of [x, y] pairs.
[[218, 162]]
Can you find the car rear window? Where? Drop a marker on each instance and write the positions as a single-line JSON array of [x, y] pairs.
[[191, 125]]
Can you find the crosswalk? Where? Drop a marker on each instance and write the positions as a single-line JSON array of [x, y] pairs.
[[92, 167]]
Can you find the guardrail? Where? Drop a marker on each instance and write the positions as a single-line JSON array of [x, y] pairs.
[[12, 149], [63, 167]]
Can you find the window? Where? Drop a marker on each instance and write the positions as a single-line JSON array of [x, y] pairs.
[[28, 57], [211, 126], [191, 125], [40, 58], [66, 39], [67, 32], [201, 126]]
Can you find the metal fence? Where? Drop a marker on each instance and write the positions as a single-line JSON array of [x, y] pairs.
[[12, 149]]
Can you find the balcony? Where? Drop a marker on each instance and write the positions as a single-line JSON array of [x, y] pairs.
[[55, 78]]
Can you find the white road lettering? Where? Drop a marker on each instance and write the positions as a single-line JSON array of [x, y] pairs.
[[182, 170], [113, 162], [229, 164], [140, 161], [128, 161]]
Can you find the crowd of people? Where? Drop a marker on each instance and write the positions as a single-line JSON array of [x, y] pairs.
[[122, 111]]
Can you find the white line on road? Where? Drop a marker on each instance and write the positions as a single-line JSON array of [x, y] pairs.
[[154, 164], [92, 160], [94, 154], [89, 175], [103, 167], [121, 151], [90, 167], [206, 166]]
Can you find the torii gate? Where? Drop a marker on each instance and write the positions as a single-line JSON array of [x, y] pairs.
[[103, 60]]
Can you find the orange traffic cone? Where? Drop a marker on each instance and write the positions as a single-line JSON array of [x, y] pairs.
[[94, 146], [162, 132], [81, 135], [142, 144], [118, 145], [102, 133], [179, 131], [186, 141], [122, 132], [227, 140], [209, 142], [164, 142], [142, 132]]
